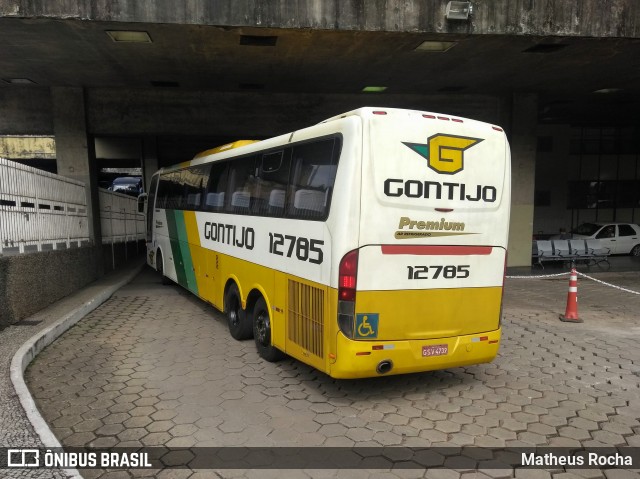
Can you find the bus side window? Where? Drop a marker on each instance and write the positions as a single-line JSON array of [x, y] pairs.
[[196, 179], [216, 186], [172, 193], [273, 176], [241, 185], [163, 189], [178, 191], [314, 173]]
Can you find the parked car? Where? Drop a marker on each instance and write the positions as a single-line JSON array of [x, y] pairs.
[[129, 185], [620, 238]]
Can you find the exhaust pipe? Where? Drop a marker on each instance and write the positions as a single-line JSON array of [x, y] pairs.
[[384, 367]]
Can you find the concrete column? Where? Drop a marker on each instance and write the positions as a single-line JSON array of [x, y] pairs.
[[524, 121], [149, 159], [75, 152]]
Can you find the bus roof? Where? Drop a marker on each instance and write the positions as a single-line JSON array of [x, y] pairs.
[[382, 111], [225, 147]]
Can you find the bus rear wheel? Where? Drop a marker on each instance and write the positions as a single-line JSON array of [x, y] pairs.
[[262, 333], [239, 326]]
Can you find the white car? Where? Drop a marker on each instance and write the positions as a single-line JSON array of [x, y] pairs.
[[620, 238]]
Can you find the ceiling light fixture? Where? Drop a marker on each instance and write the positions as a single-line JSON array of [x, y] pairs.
[[374, 89], [19, 81], [129, 36], [436, 47], [608, 90]]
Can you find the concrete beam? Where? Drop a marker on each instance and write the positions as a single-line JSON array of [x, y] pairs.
[[253, 115], [619, 18], [75, 154], [523, 166]]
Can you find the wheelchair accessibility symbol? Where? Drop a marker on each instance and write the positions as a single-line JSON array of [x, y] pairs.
[[366, 326]]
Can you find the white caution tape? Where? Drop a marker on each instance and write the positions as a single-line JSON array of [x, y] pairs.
[[539, 276], [609, 284], [581, 274]]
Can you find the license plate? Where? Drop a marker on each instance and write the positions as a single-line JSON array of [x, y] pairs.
[[435, 350]]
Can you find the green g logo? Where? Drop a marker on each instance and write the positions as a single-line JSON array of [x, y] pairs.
[[444, 153]]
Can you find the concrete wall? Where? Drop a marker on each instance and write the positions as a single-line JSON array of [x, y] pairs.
[[31, 282], [157, 112], [120, 254], [523, 161], [598, 18], [26, 111], [150, 111], [553, 170]]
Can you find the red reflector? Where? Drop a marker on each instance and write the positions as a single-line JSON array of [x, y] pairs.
[[377, 347], [379, 112], [493, 342], [363, 353], [443, 118], [431, 117], [444, 210], [484, 338], [347, 281], [436, 250], [457, 120], [497, 128], [347, 295]]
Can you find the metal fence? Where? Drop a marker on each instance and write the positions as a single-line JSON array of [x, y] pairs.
[[119, 218], [40, 211]]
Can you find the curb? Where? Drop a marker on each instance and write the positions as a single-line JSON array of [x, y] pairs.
[[34, 345]]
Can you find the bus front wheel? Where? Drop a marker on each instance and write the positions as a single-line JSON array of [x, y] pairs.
[[262, 332], [239, 326], [160, 268]]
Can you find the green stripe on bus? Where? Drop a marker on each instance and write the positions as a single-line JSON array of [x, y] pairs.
[[189, 273], [178, 262]]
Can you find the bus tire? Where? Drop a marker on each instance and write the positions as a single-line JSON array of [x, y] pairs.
[[262, 332], [239, 327], [160, 268]]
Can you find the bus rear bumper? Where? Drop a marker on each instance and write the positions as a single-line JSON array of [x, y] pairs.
[[361, 359]]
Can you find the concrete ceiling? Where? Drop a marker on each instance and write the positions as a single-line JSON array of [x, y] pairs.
[[564, 71]]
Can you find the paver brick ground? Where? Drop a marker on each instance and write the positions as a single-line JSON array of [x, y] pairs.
[[156, 366]]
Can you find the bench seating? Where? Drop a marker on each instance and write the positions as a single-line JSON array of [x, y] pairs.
[[589, 252]]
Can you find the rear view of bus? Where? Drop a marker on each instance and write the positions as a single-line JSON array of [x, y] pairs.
[[423, 288]]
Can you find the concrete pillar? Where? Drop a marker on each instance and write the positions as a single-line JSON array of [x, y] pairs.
[[149, 159], [75, 152], [523, 140]]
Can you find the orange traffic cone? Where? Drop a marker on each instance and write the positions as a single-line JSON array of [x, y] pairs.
[[571, 313]]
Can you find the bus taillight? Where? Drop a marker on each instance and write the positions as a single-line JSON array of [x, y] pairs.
[[347, 276], [347, 280]]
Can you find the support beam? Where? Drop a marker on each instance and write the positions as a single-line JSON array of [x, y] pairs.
[[149, 159], [75, 152], [523, 163]]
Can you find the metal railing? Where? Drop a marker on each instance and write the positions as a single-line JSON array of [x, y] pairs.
[[120, 221], [40, 211]]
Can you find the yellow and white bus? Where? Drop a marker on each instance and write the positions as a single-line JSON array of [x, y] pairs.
[[372, 243]]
